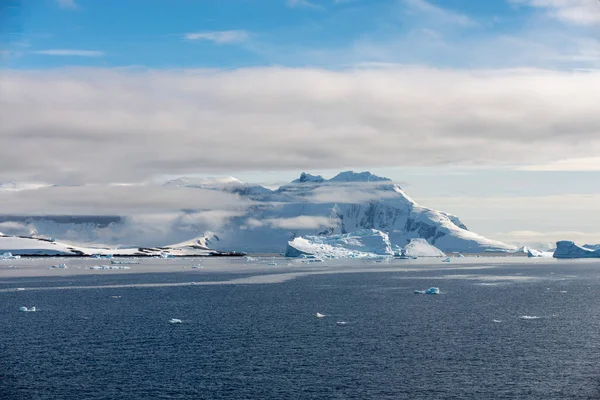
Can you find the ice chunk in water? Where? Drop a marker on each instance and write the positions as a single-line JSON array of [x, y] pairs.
[[175, 321], [319, 315]]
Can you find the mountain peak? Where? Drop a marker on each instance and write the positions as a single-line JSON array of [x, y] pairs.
[[304, 177], [351, 176]]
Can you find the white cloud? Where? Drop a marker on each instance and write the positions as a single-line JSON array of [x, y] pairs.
[[581, 12], [352, 194], [440, 14], [103, 125], [303, 4], [219, 37], [68, 4], [577, 164], [70, 53], [301, 222]]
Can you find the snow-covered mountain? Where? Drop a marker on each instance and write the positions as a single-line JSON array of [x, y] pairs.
[[229, 215], [349, 202]]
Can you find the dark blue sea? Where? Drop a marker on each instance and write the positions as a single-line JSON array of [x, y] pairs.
[[517, 331]]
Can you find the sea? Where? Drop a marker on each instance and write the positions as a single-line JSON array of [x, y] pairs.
[[498, 330]]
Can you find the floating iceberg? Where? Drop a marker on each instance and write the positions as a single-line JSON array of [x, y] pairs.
[[532, 253], [421, 248], [568, 249], [250, 259], [175, 321], [101, 256], [447, 259], [197, 266], [124, 262], [25, 309], [319, 315], [59, 266], [431, 290], [9, 256], [108, 267], [366, 243], [342, 323]]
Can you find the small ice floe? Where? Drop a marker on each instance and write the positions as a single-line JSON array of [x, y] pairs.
[[447, 259], [529, 317], [109, 267], [115, 297], [99, 256], [341, 323], [121, 262], [431, 290], [496, 320], [175, 321], [59, 266], [250, 259], [20, 289], [319, 315], [313, 260], [197, 266], [25, 309], [563, 291], [272, 263], [8, 256]]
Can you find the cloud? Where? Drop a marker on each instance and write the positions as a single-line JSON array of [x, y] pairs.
[[104, 125], [219, 37], [580, 12], [70, 53], [68, 4], [301, 222], [577, 164], [438, 13], [351, 194], [303, 4], [118, 200]]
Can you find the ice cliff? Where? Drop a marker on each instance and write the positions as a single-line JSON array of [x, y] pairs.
[[568, 249]]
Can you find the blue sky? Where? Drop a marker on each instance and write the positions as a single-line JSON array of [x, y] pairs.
[[328, 33], [486, 109]]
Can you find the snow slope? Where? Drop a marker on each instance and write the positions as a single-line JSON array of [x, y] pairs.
[[31, 246]]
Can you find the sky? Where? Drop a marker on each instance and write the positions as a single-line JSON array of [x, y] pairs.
[[485, 109]]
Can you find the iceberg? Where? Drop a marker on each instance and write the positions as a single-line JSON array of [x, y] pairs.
[[319, 315], [59, 266], [175, 321], [366, 243], [9, 256], [124, 262], [421, 248], [447, 259], [25, 309], [532, 253], [431, 290], [568, 249]]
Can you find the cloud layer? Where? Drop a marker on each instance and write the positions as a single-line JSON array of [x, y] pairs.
[[105, 125]]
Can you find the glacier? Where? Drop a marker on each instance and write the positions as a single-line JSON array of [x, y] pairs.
[[568, 249]]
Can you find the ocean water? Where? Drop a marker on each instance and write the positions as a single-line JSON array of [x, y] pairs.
[[514, 331]]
